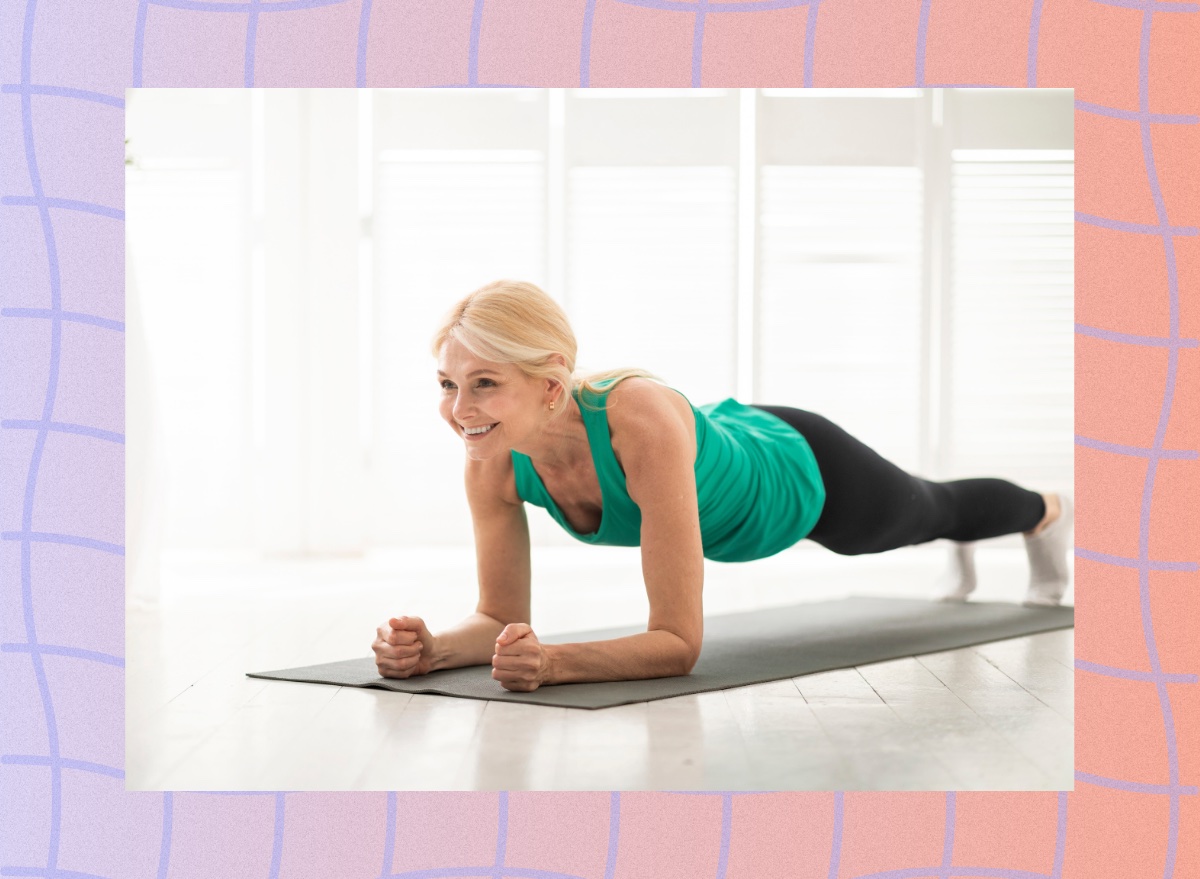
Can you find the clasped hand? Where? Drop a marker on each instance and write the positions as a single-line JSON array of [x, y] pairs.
[[520, 662], [405, 648]]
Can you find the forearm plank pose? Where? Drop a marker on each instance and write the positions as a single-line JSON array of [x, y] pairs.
[[621, 459]]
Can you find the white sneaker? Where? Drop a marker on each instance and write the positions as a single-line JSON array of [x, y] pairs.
[[959, 581]]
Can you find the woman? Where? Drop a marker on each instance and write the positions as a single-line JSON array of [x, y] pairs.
[[620, 458]]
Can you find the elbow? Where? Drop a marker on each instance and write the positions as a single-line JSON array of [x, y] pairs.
[[679, 655], [690, 657]]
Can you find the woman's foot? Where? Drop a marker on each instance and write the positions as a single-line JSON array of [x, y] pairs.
[[960, 581], [1048, 547]]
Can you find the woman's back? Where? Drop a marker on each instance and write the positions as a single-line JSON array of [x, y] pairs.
[[757, 482]]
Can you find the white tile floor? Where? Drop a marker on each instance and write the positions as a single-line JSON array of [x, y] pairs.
[[995, 716]]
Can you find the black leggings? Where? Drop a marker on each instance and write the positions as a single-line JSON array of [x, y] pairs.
[[871, 505]]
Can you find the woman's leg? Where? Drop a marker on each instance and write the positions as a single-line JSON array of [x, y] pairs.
[[871, 505]]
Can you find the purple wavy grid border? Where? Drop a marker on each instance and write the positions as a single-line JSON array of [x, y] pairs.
[[252, 10]]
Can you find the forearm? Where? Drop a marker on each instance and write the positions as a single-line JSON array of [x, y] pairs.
[[471, 642], [654, 654]]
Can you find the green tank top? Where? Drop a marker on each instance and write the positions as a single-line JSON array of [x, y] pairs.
[[757, 483]]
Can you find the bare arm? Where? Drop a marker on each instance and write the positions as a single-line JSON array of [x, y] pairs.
[[658, 454], [502, 562]]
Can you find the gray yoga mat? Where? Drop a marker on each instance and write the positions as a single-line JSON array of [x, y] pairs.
[[739, 649]]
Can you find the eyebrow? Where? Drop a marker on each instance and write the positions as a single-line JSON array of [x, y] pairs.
[[472, 374]]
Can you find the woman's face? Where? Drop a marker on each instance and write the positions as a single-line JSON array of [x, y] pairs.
[[482, 394]]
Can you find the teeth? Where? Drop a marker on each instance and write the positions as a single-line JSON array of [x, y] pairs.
[[477, 430]]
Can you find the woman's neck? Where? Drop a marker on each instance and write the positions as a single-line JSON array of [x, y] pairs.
[[562, 445]]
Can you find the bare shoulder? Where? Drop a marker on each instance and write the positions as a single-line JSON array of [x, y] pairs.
[[641, 411], [491, 480]]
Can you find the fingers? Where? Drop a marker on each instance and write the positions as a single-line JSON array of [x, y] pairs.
[[522, 680], [391, 665], [398, 647], [410, 624], [393, 661], [517, 662], [386, 648], [397, 668], [398, 637], [513, 633], [404, 651], [520, 686]]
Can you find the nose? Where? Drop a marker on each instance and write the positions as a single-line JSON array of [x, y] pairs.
[[461, 407]]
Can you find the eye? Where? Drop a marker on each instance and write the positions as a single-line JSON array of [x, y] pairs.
[[446, 384]]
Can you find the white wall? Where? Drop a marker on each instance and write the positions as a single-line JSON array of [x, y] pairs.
[[899, 261]]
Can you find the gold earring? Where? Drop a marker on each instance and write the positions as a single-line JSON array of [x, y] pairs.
[[551, 405]]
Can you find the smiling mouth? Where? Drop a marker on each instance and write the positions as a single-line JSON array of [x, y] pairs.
[[474, 433]]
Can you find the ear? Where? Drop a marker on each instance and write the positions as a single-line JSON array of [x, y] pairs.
[[554, 387]]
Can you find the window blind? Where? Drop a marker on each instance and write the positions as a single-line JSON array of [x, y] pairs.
[[840, 314], [1011, 385], [443, 227], [650, 277], [189, 231]]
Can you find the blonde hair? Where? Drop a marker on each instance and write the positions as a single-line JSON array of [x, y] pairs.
[[517, 322]]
